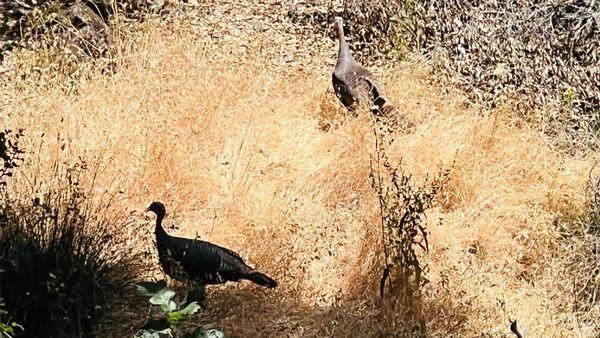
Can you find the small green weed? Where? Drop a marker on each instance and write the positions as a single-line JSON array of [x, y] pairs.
[[173, 313]]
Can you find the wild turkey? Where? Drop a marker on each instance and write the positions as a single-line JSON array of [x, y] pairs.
[[199, 261], [354, 84]]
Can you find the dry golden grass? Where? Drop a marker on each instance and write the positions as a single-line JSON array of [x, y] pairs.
[[236, 149]]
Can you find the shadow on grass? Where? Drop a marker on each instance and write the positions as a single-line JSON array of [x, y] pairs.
[[65, 262]]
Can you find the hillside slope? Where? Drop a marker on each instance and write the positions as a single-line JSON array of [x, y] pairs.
[[246, 145]]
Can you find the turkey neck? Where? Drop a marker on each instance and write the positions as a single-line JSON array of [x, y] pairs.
[[344, 52], [159, 231]]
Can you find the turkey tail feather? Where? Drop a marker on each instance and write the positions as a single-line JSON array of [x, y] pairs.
[[261, 279]]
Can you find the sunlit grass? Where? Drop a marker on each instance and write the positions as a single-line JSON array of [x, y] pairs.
[[236, 150]]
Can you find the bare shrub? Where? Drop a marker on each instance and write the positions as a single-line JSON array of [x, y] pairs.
[[376, 26], [538, 54], [403, 206], [69, 27], [375, 29]]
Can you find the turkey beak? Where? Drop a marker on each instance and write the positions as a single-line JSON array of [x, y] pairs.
[[147, 209]]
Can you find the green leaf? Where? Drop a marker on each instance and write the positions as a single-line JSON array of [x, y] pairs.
[[147, 334], [178, 317], [6, 329], [151, 288], [201, 333], [213, 333], [172, 306], [192, 308], [164, 299], [150, 333], [154, 328]]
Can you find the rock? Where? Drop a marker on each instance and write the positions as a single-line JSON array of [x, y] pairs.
[[92, 30], [81, 16], [103, 8]]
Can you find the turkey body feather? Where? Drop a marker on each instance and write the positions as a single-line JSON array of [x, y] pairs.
[[200, 261]]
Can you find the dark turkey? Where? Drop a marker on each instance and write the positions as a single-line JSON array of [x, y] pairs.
[[354, 84], [199, 261]]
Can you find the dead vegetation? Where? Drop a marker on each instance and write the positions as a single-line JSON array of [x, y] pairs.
[[227, 127], [540, 55]]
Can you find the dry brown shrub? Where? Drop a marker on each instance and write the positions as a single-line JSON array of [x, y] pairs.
[[541, 55]]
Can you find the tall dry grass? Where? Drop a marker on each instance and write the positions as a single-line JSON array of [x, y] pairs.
[[235, 147]]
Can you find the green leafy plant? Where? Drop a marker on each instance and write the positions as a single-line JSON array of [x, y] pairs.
[[173, 313], [569, 96], [7, 327]]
